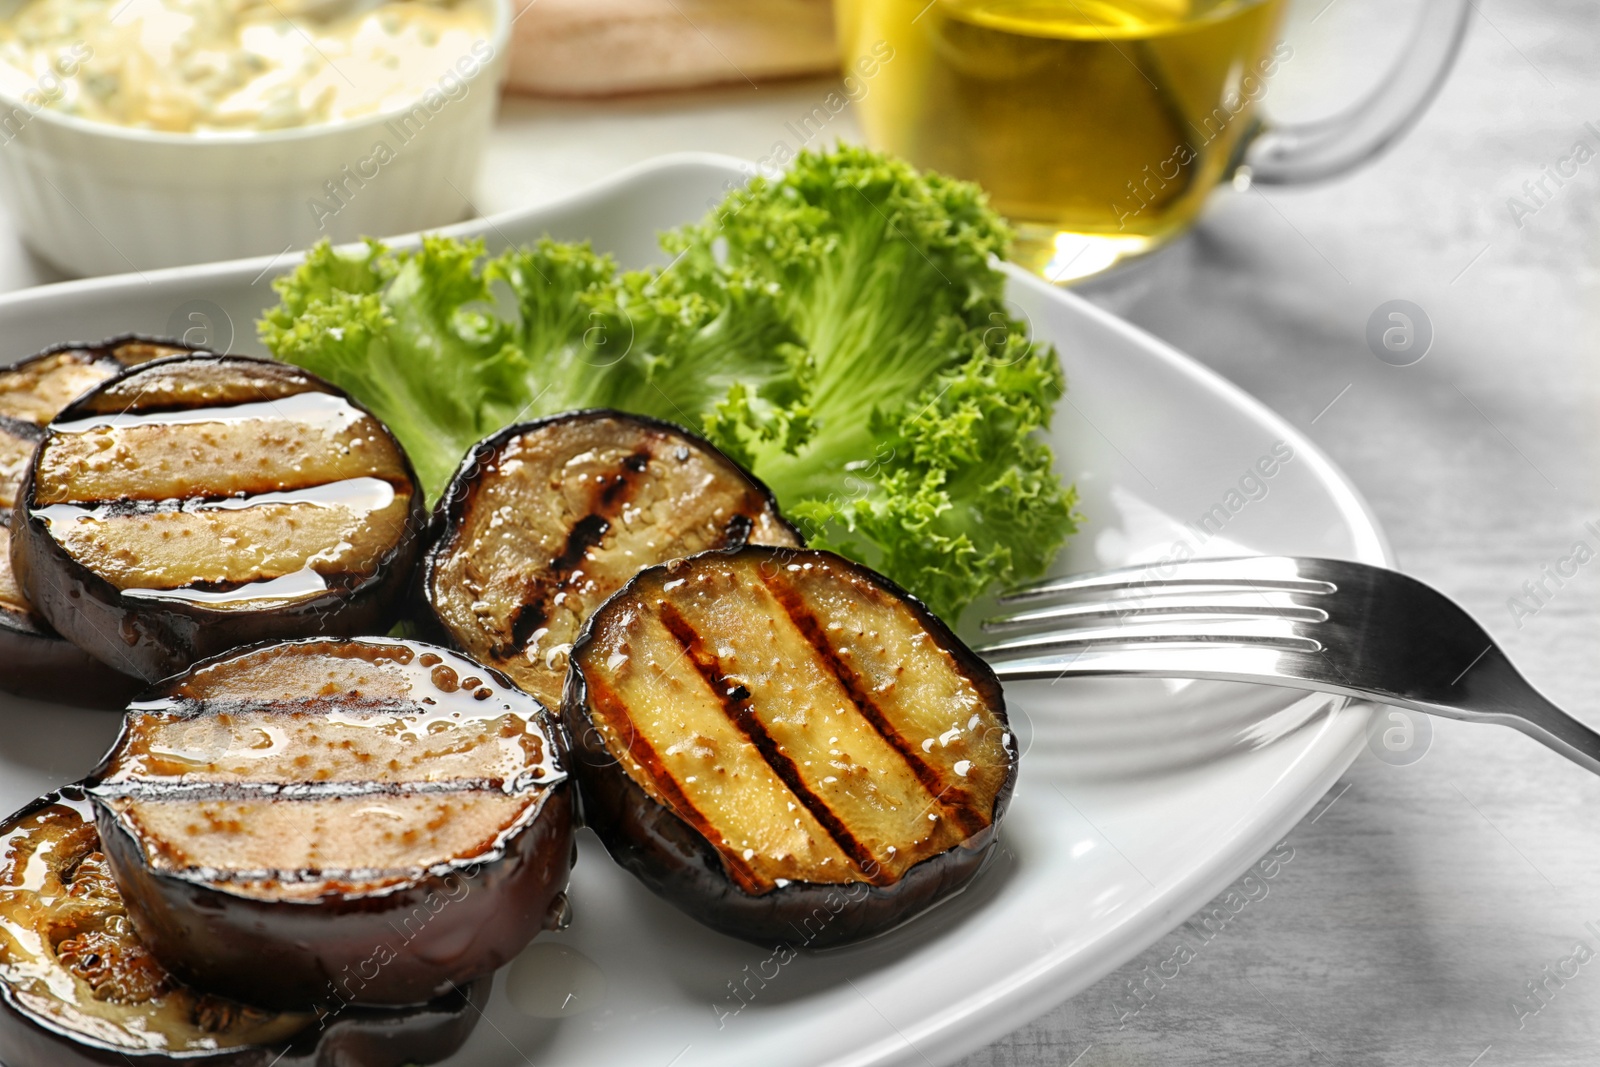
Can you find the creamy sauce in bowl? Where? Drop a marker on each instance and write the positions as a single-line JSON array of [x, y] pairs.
[[202, 66]]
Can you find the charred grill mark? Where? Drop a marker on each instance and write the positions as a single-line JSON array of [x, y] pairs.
[[150, 789], [953, 799], [534, 611], [735, 700], [636, 464], [737, 533], [262, 392], [332, 581], [740, 528], [348, 705], [585, 534], [127, 507], [15, 427], [154, 409], [241, 503], [617, 488], [348, 877], [606, 701]]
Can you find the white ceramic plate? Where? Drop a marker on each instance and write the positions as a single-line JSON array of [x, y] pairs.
[[1137, 800]]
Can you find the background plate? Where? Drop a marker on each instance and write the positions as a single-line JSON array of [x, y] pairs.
[[1137, 802]]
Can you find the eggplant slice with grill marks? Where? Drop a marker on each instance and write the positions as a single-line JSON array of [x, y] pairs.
[[364, 821], [545, 520], [38, 387], [785, 745], [194, 505], [35, 661], [79, 989]]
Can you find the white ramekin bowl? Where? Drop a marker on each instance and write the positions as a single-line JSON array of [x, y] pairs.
[[94, 198]]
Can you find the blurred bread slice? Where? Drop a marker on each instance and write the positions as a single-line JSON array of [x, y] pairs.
[[604, 47]]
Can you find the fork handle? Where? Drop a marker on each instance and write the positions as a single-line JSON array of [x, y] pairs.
[[1494, 691], [1563, 733], [1489, 691]]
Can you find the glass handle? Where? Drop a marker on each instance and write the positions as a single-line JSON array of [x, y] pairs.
[[1311, 151]]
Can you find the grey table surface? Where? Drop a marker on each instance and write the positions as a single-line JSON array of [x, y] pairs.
[[1423, 899]]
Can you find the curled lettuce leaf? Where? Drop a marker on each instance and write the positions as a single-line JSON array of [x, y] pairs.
[[841, 330]]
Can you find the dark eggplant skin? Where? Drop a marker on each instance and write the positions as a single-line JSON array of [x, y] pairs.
[[153, 639], [678, 864], [356, 1037], [41, 665], [399, 946], [368, 1037], [38, 662]]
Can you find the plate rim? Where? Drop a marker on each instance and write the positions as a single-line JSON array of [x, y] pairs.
[[1054, 978]]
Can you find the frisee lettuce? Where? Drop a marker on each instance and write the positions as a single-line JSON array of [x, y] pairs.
[[840, 330]]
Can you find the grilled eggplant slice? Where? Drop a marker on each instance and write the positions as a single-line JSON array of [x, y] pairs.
[[368, 821], [78, 987], [35, 661], [38, 387], [195, 505], [545, 520], [785, 745]]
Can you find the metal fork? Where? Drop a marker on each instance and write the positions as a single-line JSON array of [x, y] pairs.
[[1314, 624]]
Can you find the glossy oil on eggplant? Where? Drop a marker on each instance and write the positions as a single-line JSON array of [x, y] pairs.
[[35, 661], [365, 821], [79, 988], [545, 520], [194, 505], [785, 745]]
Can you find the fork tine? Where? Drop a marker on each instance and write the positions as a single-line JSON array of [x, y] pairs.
[[1162, 600], [1390, 639], [1244, 663], [1280, 573], [1279, 634]]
